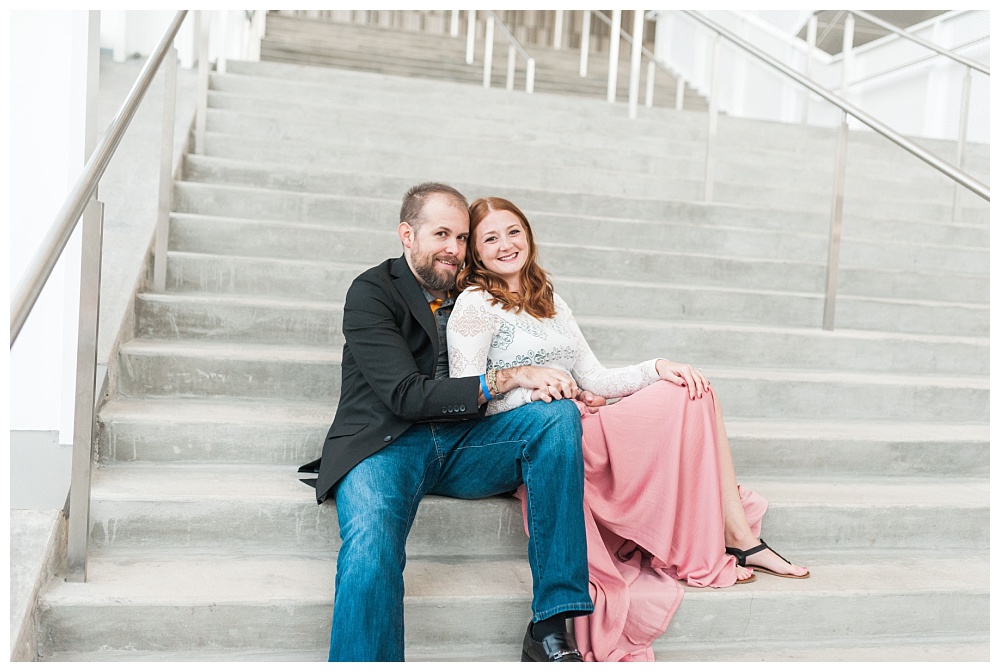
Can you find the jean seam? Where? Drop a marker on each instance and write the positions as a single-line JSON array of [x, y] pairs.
[[587, 607], [533, 537]]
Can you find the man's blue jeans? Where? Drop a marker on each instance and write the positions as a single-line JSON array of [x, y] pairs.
[[537, 444]]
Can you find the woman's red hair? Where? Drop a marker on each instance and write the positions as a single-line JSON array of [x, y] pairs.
[[536, 294]]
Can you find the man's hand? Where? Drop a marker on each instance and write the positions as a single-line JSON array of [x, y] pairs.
[[545, 383]]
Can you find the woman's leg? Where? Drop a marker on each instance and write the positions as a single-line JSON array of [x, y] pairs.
[[738, 534]]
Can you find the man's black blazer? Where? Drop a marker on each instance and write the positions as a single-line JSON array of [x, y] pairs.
[[390, 353]]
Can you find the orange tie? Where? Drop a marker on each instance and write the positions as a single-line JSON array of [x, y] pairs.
[[435, 304]]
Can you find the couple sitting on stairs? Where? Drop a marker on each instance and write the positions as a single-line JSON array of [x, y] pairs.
[[466, 375]]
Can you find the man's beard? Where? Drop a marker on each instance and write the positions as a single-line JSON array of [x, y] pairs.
[[439, 281]]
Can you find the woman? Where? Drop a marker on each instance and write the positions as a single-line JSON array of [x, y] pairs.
[[661, 499]]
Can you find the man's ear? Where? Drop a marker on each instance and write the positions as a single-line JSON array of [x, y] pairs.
[[406, 232]]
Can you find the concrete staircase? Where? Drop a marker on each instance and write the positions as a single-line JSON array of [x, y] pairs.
[[871, 441], [291, 38]]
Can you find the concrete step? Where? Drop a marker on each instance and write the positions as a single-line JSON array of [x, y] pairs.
[[171, 368], [323, 281], [265, 508], [608, 262], [195, 603], [254, 431], [268, 320], [917, 649], [330, 86], [803, 230], [679, 161], [216, 234]]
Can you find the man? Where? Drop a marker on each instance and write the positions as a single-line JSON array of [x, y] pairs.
[[404, 429]]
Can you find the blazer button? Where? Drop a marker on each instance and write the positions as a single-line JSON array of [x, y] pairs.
[[451, 409], [387, 439], [461, 409], [444, 409]]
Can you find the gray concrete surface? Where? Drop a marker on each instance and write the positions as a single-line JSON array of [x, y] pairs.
[[129, 190]]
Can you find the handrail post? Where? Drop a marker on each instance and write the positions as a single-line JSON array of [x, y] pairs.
[[650, 75], [636, 62], [488, 51], [201, 114], [847, 54], [963, 132], [511, 63], [166, 172], [679, 96], [713, 120], [558, 30], [454, 23], [86, 380], [470, 38], [836, 219], [613, 45], [529, 83], [584, 42]]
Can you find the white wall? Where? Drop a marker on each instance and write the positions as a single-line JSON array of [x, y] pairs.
[[919, 100], [52, 73]]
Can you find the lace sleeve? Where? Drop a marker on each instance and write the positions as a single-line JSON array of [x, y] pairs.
[[471, 329], [591, 375]]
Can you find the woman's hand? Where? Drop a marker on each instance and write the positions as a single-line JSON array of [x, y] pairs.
[[592, 401], [684, 375]]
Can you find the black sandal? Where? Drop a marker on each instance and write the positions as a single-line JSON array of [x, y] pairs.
[[741, 560]]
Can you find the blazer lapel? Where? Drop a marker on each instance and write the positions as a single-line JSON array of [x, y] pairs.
[[408, 288]]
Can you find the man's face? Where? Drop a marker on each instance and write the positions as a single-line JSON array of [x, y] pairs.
[[435, 246]]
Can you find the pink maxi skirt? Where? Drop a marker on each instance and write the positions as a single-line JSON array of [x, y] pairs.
[[654, 515]]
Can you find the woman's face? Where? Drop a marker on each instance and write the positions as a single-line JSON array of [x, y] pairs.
[[502, 245]]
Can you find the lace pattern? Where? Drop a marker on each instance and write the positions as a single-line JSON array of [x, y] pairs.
[[482, 337]]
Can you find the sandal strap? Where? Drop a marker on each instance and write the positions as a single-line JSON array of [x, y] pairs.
[[775, 552], [741, 555]]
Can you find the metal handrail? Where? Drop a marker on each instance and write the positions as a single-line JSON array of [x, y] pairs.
[[910, 64], [919, 40], [931, 159], [513, 47], [82, 203], [45, 260], [651, 59]]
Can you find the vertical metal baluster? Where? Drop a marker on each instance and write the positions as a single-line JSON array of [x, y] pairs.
[[529, 84], [634, 64], [713, 121], [488, 51], [201, 116], [836, 221], [613, 45], [650, 78], [558, 30], [963, 133], [166, 171], [584, 42], [511, 63], [86, 380], [470, 38], [454, 23]]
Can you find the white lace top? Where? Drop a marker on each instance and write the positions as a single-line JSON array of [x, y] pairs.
[[482, 336]]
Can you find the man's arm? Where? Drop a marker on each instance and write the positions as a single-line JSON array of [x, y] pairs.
[[385, 359]]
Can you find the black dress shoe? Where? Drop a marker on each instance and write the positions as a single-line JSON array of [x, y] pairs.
[[559, 647]]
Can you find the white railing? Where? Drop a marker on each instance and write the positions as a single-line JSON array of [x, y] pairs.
[[82, 205]]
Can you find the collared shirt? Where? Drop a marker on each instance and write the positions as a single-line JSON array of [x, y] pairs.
[[442, 311]]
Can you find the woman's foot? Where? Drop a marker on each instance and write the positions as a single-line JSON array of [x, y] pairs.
[[744, 574], [758, 555]]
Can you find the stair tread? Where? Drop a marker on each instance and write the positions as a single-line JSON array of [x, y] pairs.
[[281, 411], [222, 579], [149, 481], [249, 351]]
